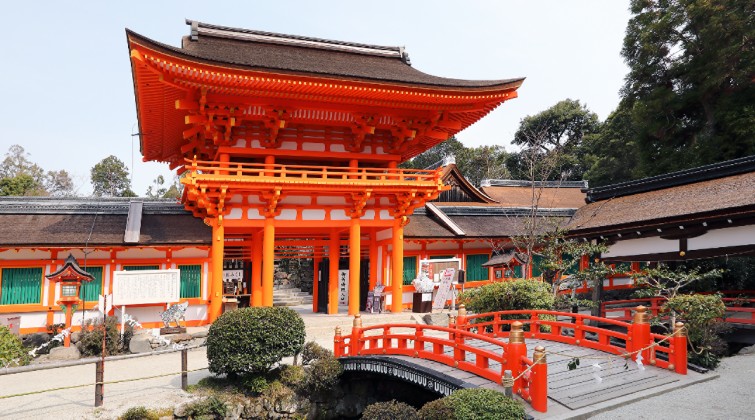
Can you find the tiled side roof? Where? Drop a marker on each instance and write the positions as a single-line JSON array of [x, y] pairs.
[[34, 221], [732, 194], [550, 197]]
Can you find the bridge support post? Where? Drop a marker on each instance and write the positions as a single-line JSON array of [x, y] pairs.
[[516, 349], [337, 346], [679, 342], [355, 346], [539, 380], [461, 320], [640, 335]]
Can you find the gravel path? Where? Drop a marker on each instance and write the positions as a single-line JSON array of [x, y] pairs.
[[728, 397]]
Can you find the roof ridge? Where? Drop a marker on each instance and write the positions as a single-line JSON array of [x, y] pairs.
[[674, 179], [251, 35], [528, 183]]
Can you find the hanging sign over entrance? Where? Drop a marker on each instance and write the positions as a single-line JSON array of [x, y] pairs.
[[343, 287]]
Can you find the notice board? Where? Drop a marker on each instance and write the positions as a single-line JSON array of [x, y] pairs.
[[146, 286]]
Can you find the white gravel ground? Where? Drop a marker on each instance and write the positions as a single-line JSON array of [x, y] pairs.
[[731, 396]]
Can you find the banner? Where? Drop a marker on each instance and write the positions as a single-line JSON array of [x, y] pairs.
[[446, 282]]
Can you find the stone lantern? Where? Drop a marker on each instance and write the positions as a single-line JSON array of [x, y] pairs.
[[70, 277]]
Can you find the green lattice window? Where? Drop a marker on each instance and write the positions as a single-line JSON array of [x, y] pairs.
[[537, 262], [191, 280], [410, 269], [21, 286], [140, 267], [91, 290], [475, 270], [518, 271]]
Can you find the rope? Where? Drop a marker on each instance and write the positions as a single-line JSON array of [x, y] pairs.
[[612, 357], [2, 397]]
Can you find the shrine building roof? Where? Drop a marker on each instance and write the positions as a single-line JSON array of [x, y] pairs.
[[47, 221], [252, 49]]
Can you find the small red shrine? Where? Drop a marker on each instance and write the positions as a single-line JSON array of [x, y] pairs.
[[291, 147], [70, 276]]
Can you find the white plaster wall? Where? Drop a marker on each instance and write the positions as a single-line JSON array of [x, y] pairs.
[[254, 214], [384, 234], [32, 319], [331, 201], [385, 215], [313, 147], [191, 253], [451, 247], [26, 254], [133, 253], [313, 214], [286, 214], [235, 214], [79, 255], [288, 145], [719, 238], [296, 200], [642, 246], [339, 214], [368, 215]]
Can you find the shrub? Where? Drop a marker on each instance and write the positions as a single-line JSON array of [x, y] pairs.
[[210, 406], [90, 343], [139, 413], [12, 351], [293, 376], [254, 382], [511, 295], [251, 340], [390, 410], [484, 404], [313, 351], [322, 374], [702, 316], [437, 409]]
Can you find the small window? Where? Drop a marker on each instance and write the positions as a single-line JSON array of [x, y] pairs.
[[191, 280], [410, 269], [21, 286]]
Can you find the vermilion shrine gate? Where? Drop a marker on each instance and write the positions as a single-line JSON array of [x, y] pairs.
[[290, 146]]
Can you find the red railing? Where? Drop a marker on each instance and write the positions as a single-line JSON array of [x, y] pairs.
[[621, 309], [453, 347]]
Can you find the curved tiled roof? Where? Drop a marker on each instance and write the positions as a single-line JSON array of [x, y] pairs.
[[257, 50]]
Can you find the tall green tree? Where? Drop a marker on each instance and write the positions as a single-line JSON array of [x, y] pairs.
[[433, 157], [557, 133], [612, 153], [110, 178], [483, 162], [159, 190], [690, 83], [21, 177]]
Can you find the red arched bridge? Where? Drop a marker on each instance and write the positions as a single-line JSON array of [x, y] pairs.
[[494, 346]]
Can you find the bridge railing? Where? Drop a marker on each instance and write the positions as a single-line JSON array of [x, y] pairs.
[[608, 335], [475, 353], [738, 310]]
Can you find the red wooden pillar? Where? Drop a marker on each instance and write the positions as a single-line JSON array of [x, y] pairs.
[[354, 269], [539, 380], [679, 343], [640, 334], [334, 254], [355, 346], [461, 322], [516, 350], [257, 269], [397, 261]]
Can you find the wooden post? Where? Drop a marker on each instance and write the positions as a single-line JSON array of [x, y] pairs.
[[640, 334], [516, 349], [355, 346], [508, 383], [354, 271], [337, 346], [397, 259], [99, 387], [679, 343], [268, 262], [216, 289], [539, 380], [69, 324], [184, 369]]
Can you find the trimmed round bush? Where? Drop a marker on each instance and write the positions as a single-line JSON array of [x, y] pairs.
[[313, 351], [390, 410], [252, 340], [484, 404], [508, 296], [12, 351], [437, 409], [139, 413]]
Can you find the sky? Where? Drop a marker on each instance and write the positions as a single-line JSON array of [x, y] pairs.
[[67, 93]]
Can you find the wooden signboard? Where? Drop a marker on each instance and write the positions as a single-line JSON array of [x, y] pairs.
[[147, 286], [446, 282]]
